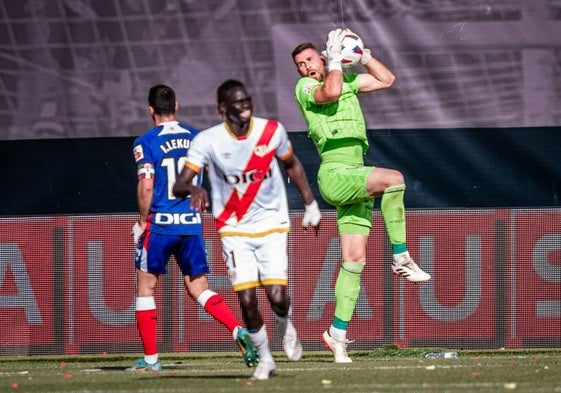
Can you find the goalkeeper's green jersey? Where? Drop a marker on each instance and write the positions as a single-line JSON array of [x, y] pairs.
[[336, 124]]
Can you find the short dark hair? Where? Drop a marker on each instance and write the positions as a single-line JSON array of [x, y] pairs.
[[302, 47], [225, 87], [162, 99]]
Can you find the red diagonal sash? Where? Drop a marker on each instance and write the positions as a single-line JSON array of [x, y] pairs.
[[261, 163]]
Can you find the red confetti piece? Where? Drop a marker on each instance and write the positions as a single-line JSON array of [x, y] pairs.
[[66, 375]]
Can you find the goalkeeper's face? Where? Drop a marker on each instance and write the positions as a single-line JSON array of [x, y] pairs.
[[310, 63]]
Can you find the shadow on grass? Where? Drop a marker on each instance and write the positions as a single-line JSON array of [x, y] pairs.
[[203, 376]]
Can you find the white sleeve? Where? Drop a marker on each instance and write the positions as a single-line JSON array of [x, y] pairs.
[[284, 148], [197, 154]]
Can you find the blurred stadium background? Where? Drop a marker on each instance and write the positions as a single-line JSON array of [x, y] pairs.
[[81, 68]]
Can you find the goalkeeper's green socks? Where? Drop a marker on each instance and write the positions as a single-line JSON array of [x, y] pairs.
[[347, 289], [393, 212]]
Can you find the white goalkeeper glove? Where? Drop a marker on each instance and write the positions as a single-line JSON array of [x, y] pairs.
[[312, 216], [366, 56], [333, 45], [136, 232]]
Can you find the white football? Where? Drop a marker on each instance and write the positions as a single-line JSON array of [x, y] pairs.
[[352, 47]]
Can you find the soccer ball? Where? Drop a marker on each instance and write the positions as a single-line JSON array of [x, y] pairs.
[[352, 47]]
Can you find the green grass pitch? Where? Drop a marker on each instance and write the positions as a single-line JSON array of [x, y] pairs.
[[383, 370]]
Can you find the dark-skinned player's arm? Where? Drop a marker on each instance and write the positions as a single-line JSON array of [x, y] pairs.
[[184, 187], [295, 171]]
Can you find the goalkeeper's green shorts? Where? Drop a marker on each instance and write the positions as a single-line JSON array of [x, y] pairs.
[[344, 186]]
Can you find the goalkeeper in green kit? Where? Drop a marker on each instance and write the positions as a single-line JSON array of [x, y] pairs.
[[328, 100]]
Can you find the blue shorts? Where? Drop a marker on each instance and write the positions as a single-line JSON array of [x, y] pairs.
[[154, 251]]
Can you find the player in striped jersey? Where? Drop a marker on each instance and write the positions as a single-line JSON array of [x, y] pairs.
[[250, 208]]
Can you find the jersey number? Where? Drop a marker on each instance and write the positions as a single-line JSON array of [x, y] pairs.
[[173, 169]]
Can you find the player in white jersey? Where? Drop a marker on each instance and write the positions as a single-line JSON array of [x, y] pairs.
[[242, 202], [250, 208]]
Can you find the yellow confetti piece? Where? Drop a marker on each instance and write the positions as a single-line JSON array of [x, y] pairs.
[[510, 386], [326, 382], [24, 372], [433, 367]]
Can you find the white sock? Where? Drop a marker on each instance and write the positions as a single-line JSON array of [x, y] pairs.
[[401, 257], [151, 359], [337, 334], [144, 303], [235, 332], [204, 296], [261, 342]]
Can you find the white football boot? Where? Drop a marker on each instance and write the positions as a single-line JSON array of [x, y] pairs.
[[264, 370], [291, 344], [338, 347], [406, 267]]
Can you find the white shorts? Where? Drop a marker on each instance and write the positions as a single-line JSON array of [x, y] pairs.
[[256, 261]]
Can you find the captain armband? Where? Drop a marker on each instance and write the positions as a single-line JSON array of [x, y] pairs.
[[145, 170]]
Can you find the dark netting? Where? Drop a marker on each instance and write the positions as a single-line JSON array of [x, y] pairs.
[[67, 285]]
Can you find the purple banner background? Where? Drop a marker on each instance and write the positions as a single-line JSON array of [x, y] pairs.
[[82, 68]]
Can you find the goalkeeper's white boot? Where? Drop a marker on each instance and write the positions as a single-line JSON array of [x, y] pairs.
[[403, 265], [338, 347], [291, 344]]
